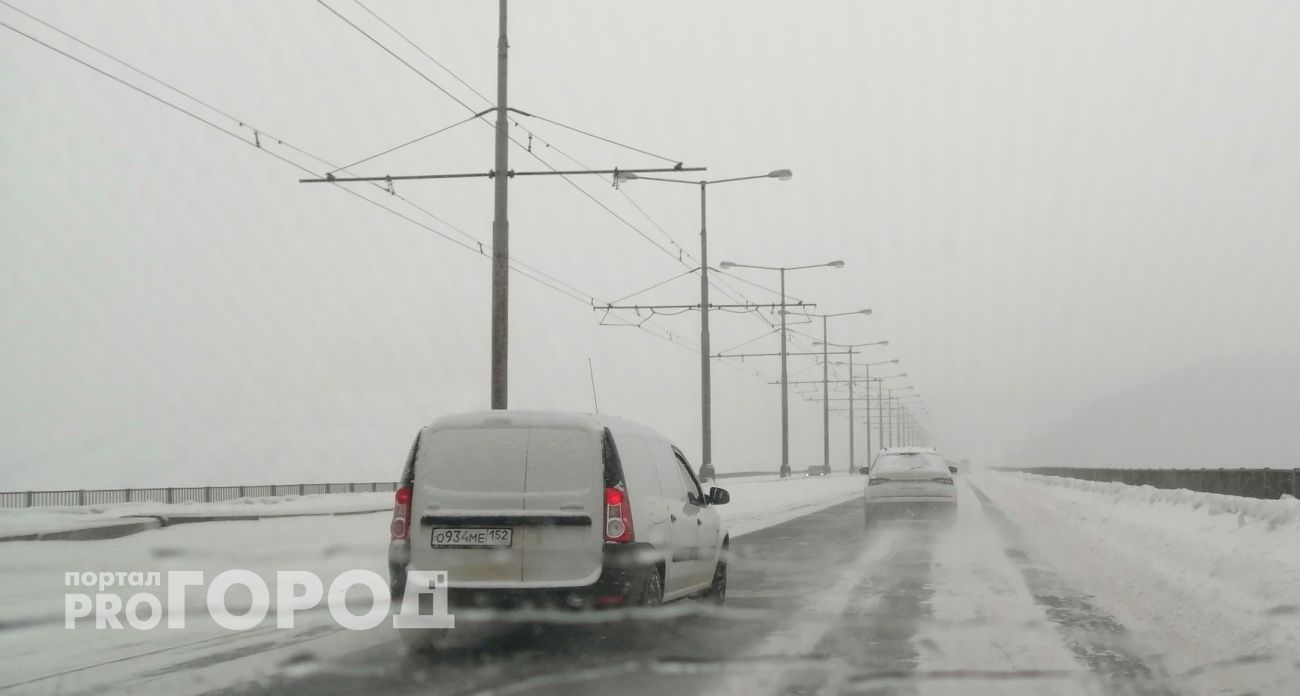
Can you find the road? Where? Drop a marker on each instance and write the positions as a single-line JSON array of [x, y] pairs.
[[1037, 589], [817, 605]]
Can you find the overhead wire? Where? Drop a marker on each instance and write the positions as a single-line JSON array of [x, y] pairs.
[[518, 266], [532, 135]]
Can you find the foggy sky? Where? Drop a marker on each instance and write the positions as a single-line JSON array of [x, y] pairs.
[[1046, 204]]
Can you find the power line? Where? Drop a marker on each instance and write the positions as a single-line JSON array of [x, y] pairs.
[[535, 156], [426, 55], [399, 59], [529, 151], [601, 138], [520, 267], [395, 148]]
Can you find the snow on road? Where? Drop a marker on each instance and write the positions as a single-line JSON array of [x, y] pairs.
[[32, 590], [1205, 584], [984, 619], [1044, 586]]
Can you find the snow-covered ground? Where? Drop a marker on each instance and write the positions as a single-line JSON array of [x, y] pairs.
[[1204, 583], [1041, 586], [32, 589]]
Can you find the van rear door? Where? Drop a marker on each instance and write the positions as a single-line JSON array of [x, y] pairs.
[[563, 542], [467, 499]]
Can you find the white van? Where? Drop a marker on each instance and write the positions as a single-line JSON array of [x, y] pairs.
[[550, 509]]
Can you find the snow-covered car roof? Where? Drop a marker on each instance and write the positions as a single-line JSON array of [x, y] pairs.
[[908, 450]]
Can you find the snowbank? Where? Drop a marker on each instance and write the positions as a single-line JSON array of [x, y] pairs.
[[761, 502], [1201, 579], [1285, 511]]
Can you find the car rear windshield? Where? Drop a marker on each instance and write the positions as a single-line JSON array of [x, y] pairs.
[[906, 462]]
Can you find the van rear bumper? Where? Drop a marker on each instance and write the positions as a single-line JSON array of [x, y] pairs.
[[624, 571]]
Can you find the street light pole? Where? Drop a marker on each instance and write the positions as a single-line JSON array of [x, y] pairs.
[[785, 374], [706, 369]]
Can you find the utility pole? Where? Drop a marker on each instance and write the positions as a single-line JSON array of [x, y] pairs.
[[501, 233], [852, 423], [868, 378], [826, 405], [706, 373], [707, 471], [887, 404], [785, 394]]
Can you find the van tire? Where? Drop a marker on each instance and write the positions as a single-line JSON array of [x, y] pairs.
[[652, 592], [717, 592], [867, 521]]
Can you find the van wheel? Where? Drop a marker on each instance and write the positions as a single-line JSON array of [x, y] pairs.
[[652, 593], [717, 592], [867, 521]]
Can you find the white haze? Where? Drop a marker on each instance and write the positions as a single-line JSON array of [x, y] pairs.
[[1047, 204]]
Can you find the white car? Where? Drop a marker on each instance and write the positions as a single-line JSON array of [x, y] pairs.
[[530, 509], [909, 483]]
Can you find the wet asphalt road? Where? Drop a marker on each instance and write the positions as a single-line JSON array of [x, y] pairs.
[[873, 589]]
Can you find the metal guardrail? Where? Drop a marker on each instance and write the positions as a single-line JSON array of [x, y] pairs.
[[204, 494], [183, 494], [1249, 483]]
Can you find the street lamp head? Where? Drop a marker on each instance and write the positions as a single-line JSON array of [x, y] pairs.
[[782, 174], [894, 361], [885, 343], [625, 176], [726, 264], [836, 264], [865, 312]]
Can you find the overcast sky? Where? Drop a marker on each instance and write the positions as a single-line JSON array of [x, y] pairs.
[[1048, 206]]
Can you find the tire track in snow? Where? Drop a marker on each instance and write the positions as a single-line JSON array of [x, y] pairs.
[[1097, 639]]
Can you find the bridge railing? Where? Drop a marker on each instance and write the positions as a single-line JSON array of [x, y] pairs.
[[180, 494]]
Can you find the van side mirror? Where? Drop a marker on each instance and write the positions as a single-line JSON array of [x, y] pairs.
[[864, 471], [719, 496], [952, 469]]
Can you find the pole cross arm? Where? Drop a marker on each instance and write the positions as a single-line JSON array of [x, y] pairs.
[[491, 174], [770, 355], [696, 306]]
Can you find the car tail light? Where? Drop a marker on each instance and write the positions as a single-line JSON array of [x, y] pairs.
[[400, 528], [943, 479], [618, 516]]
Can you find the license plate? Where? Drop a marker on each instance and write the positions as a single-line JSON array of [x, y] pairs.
[[472, 537]]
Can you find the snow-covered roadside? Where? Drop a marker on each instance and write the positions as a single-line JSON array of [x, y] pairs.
[[32, 591], [43, 520], [1199, 579], [761, 503], [757, 501]]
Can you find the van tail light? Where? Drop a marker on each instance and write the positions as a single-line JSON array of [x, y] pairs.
[[618, 516], [943, 479], [400, 528], [877, 479]]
